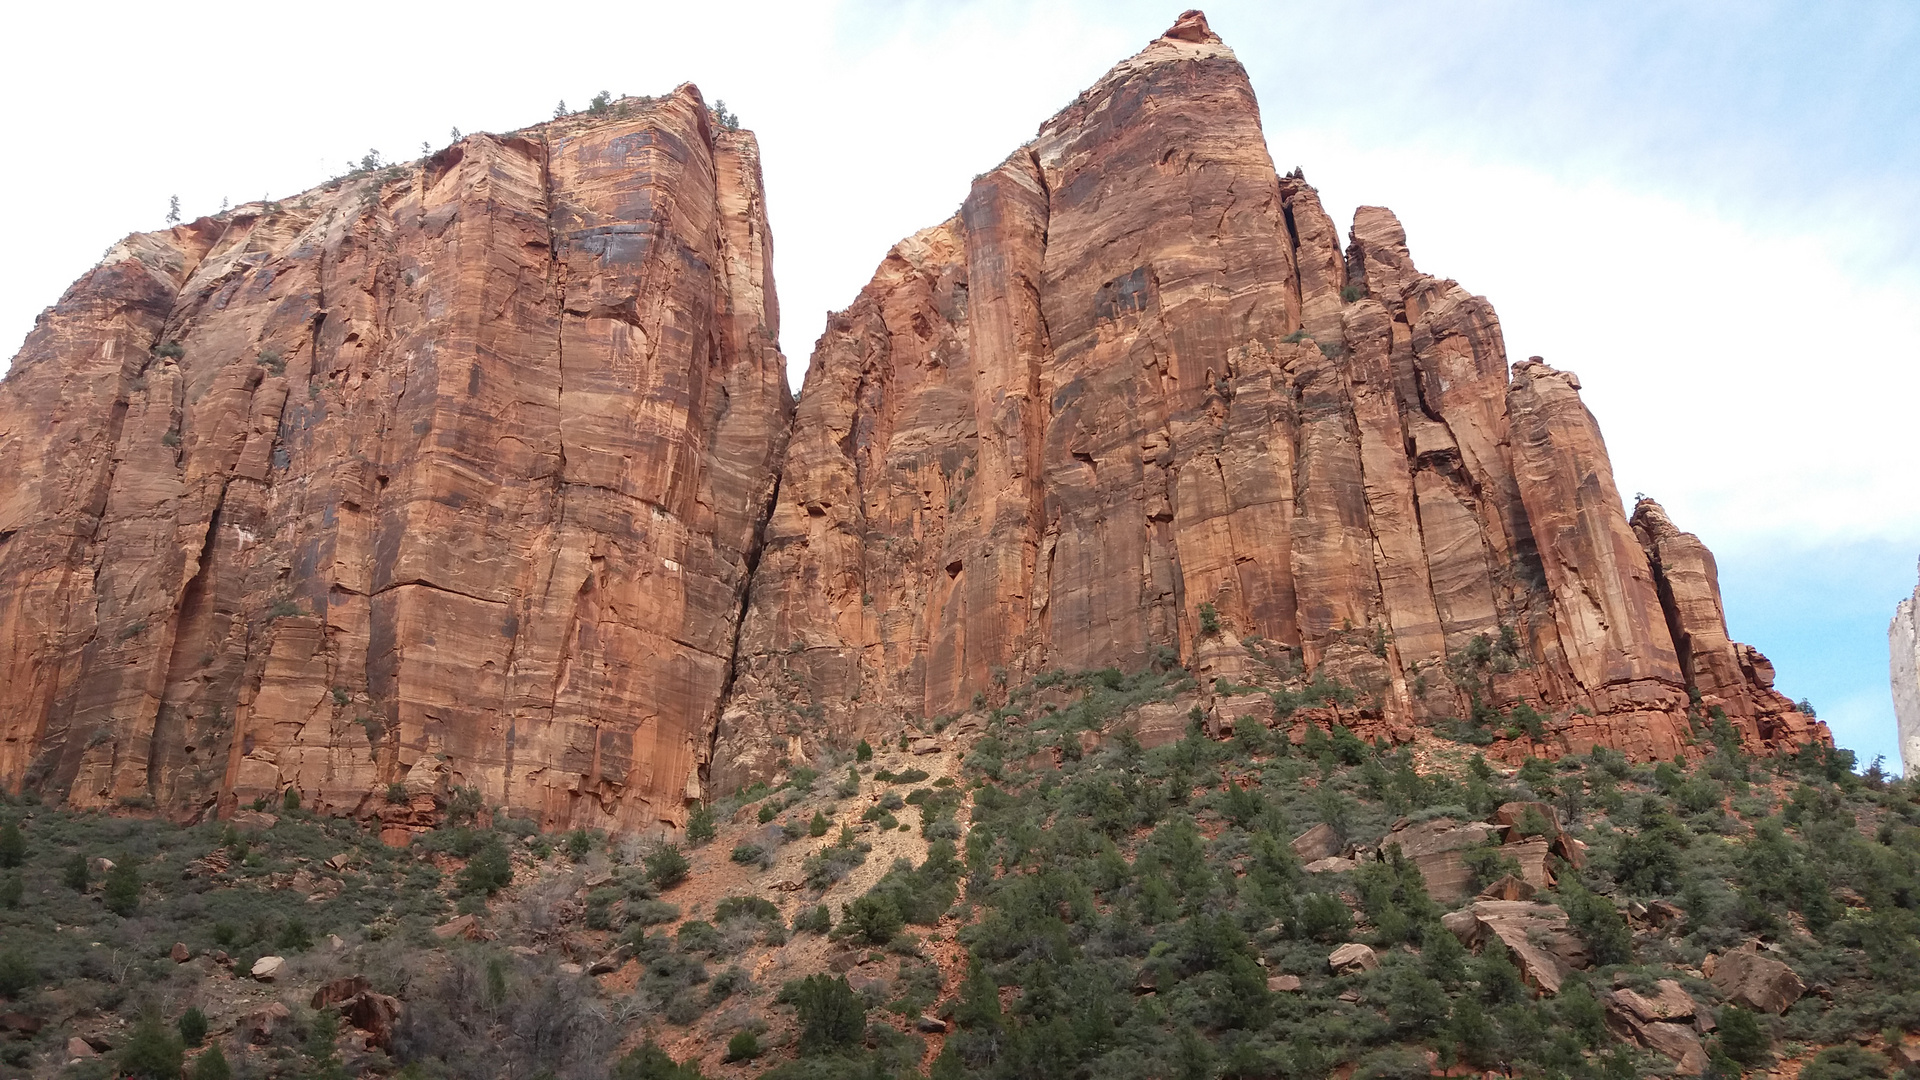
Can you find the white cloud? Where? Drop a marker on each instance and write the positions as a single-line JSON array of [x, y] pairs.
[[1741, 373]]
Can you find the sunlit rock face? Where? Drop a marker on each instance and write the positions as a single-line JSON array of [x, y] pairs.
[[1903, 641], [480, 475], [447, 474], [1136, 376]]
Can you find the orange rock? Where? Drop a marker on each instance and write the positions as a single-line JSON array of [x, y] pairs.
[[460, 461], [481, 473]]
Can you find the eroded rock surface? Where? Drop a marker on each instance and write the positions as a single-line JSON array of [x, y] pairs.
[[1133, 403], [450, 472], [461, 476]]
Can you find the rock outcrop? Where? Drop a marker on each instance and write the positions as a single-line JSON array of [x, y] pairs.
[[478, 478], [1903, 643], [444, 475], [1132, 403]]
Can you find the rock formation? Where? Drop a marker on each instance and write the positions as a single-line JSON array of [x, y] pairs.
[[458, 474], [1903, 642], [1134, 391], [443, 475]]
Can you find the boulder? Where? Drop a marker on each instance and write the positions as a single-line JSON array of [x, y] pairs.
[[268, 968], [1508, 887], [1319, 842], [258, 1026], [77, 1048], [925, 745], [374, 1014], [1351, 959], [180, 954], [1509, 816], [1228, 711], [1543, 946], [465, 926], [1439, 848], [339, 990], [1746, 978], [931, 1025], [1666, 1002], [1283, 984], [20, 1025], [252, 819], [340, 861], [1158, 723], [1334, 865], [611, 961]]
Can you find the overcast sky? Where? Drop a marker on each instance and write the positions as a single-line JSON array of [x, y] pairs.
[[1708, 210]]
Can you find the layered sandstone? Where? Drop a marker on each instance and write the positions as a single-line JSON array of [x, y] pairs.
[[482, 472], [447, 475], [1135, 379]]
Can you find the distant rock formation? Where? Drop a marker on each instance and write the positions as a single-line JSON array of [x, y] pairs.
[[481, 472], [1903, 641]]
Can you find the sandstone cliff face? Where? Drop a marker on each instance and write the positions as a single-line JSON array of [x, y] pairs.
[[1135, 377], [446, 475], [459, 475]]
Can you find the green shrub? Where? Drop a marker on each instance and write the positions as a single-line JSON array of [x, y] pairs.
[[12, 888], [1209, 619], [871, 919], [192, 1026], [122, 892], [290, 801], [831, 1015], [152, 1052], [1846, 1062], [1742, 1037], [744, 1046], [746, 907], [746, 854], [666, 867], [489, 870], [864, 751], [293, 937], [649, 1062], [77, 871], [579, 842], [1594, 918], [816, 920], [13, 846], [817, 826], [212, 1065], [700, 825], [17, 974]]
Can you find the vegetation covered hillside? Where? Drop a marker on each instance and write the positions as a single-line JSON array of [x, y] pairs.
[[1053, 889]]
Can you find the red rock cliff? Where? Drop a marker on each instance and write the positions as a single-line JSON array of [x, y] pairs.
[[445, 475], [456, 475], [1135, 377]]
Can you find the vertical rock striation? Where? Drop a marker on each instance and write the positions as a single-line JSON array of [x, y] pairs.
[[444, 475], [1135, 388], [482, 472], [1903, 642]]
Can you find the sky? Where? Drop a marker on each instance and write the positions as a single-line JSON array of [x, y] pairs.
[[1706, 209]]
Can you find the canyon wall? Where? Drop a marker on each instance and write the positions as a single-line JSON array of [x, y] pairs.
[[1134, 390], [481, 472], [448, 474]]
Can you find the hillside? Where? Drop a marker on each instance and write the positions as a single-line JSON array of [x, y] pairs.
[[1075, 887]]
